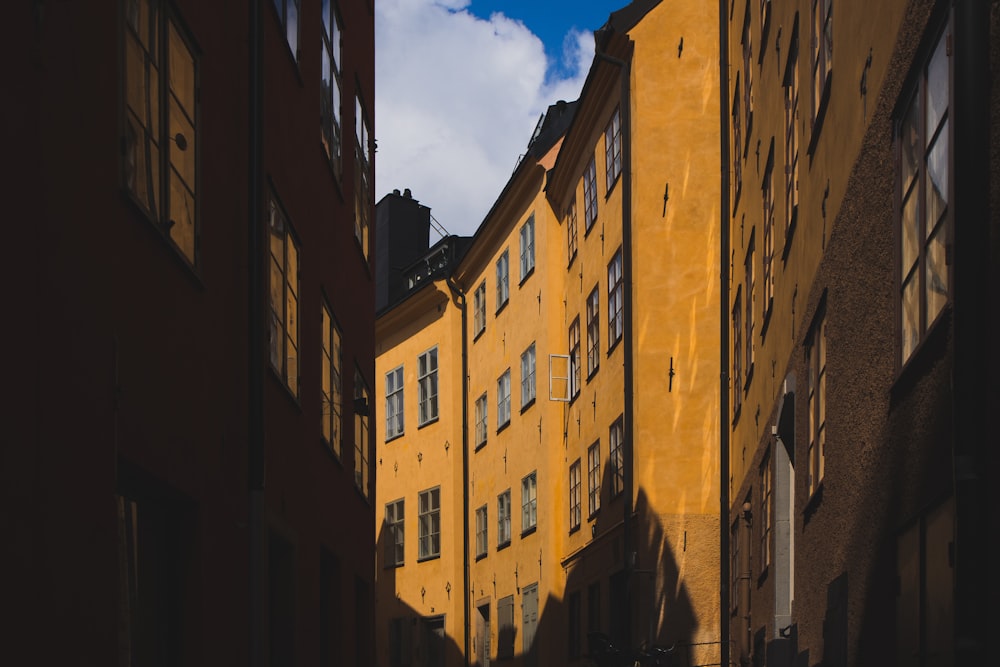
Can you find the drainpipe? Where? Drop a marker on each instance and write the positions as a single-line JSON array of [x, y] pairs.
[[971, 294], [724, 576], [629, 428], [255, 342], [466, 595]]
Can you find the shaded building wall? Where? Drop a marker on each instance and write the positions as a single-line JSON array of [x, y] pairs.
[[133, 362], [402, 228]]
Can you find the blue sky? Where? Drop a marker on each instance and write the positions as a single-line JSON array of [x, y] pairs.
[[460, 85]]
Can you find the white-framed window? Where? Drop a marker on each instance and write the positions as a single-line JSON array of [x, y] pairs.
[[613, 149], [574, 495], [529, 502], [482, 532], [479, 309], [528, 376], [593, 331], [161, 91], [482, 416], [527, 247], [362, 443], [503, 279], [427, 386], [571, 239], [616, 298], [394, 403], [429, 523], [331, 383], [816, 453], [503, 399], [924, 183], [288, 14], [590, 195], [331, 85], [363, 201], [594, 478], [283, 329], [616, 456], [822, 51], [503, 519], [765, 511], [394, 523], [575, 361]]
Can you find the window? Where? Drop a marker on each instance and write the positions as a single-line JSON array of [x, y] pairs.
[[737, 379], [765, 511], [529, 502], [613, 149], [767, 254], [574, 358], [427, 385], [734, 566], [616, 294], [288, 14], [573, 633], [394, 403], [429, 523], [361, 445], [503, 399], [593, 332], [590, 195], [616, 457], [529, 617], [362, 177], [394, 515], [594, 607], [506, 629], [737, 143], [160, 145], [594, 478], [503, 279], [571, 242], [924, 186], [400, 642], [283, 332], [503, 519], [479, 309], [574, 496], [748, 322], [331, 384], [330, 113], [527, 247], [822, 52], [481, 420], [791, 85], [482, 532], [528, 376], [747, 43], [817, 403]]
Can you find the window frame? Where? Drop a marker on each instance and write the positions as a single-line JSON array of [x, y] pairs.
[[594, 479], [613, 150], [482, 532], [148, 152], [503, 520], [331, 103], [363, 176], [429, 524], [790, 85], [394, 403], [528, 376], [575, 359], [427, 387], [821, 60], [395, 524], [281, 235], [281, 7], [616, 300], [749, 284], [572, 243], [616, 456], [529, 502], [765, 478], [737, 379], [590, 195], [362, 436], [526, 247], [575, 500], [479, 310], [331, 382], [767, 252], [503, 279], [816, 351], [482, 420], [593, 331], [503, 400]]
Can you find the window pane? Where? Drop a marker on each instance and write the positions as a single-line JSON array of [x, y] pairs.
[[910, 144], [181, 214], [181, 131], [910, 316], [937, 178], [181, 70], [937, 275], [910, 231], [937, 86]]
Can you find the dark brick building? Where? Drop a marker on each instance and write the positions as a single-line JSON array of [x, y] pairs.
[[185, 461]]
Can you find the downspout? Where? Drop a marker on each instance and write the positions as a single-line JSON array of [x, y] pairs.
[[255, 342], [629, 422], [724, 575], [466, 595], [971, 292]]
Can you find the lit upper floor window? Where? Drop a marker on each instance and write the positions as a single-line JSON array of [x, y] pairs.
[[288, 15], [571, 240], [283, 329], [331, 85], [527, 235], [160, 143], [330, 382], [528, 376], [394, 403], [479, 309], [590, 194], [503, 279], [427, 385], [362, 439], [822, 53], [616, 297], [362, 177], [613, 150]]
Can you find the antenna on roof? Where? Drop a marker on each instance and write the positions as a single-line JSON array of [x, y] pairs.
[[438, 227], [538, 130]]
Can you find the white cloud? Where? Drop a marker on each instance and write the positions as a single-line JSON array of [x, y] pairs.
[[457, 99]]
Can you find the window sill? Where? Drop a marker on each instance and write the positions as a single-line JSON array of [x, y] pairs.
[[812, 505], [284, 387], [479, 446], [501, 307], [766, 320], [528, 531], [749, 379], [574, 529], [591, 374], [328, 448], [503, 426], [191, 268], [503, 545], [931, 349], [527, 405], [392, 566], [572, 259], [479, 557], [762, 577], [789, 234], [611, 188], [479, 334], [395, 437], [817, 124], [525, 277], [593, 515], [335, 172], [736, 415], [432, 420], [589, 228], [427, 558], [614, 345]]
